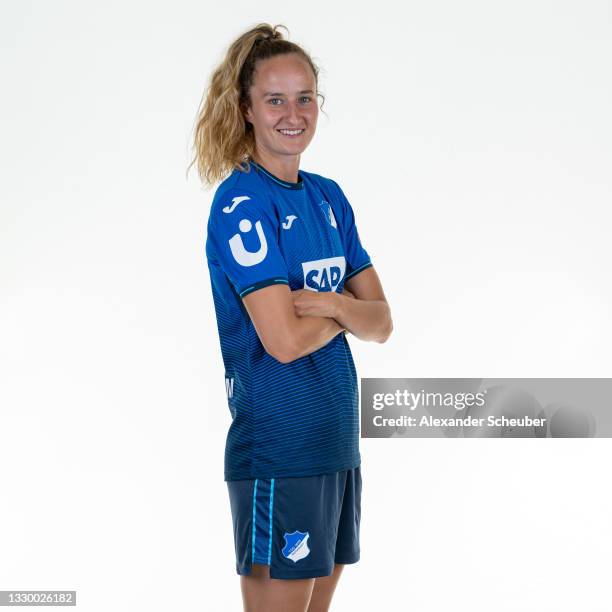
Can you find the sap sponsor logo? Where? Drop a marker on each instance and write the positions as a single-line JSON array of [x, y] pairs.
[[324, 274], [290, 219], [235, 202], [241, 255], [296, 545]]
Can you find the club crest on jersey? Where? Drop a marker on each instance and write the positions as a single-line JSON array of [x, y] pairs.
[[324, 274], [296, 545], [329, 213], [241, 255]]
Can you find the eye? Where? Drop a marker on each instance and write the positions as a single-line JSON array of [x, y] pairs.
[[272, 100], [307, 98]]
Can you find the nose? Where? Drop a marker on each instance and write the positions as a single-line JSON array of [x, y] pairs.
[[293, 113]]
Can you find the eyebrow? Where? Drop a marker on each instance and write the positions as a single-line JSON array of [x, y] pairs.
[[277, 93]]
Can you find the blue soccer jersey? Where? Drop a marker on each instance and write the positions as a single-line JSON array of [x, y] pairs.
[[288, 419]]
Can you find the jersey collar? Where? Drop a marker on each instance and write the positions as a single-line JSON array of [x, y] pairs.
[[286, 184]]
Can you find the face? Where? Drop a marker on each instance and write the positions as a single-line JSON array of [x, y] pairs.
[[283, 96]]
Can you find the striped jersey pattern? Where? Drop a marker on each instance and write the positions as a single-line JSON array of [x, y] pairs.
[[300, 418]]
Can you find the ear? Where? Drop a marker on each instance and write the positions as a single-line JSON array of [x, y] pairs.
[[247, 114]]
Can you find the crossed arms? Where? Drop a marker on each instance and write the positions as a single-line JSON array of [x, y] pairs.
[[292, 324]]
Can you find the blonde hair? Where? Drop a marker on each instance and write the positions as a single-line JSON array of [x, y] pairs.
[[223, 139]]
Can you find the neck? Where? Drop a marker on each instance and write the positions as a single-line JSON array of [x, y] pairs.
[[285, 167]]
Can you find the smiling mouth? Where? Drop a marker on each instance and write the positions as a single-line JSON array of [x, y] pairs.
[[292, 133]]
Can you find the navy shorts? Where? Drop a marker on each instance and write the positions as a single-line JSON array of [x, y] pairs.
[[299, 526]]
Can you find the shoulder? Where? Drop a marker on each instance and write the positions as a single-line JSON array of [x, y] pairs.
[[240, 187]]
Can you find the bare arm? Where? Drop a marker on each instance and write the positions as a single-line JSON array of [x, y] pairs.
[[285, 335], [366, 316]]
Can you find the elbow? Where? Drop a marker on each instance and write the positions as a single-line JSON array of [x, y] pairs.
[[284, 349], [387, 331], [283, 356]]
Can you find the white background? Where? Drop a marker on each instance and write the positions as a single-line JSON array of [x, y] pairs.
[[473, 140]]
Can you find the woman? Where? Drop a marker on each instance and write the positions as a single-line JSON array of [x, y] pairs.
[[288, 276]]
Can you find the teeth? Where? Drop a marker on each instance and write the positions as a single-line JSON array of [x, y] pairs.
[[291, 132]]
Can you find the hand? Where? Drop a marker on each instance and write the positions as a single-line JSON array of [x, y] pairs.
[[315, 304]]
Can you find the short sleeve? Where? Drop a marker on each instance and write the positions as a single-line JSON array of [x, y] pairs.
[[357, 258], [243, 239]]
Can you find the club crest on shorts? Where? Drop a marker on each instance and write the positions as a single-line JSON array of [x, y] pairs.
[[296, 546]]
